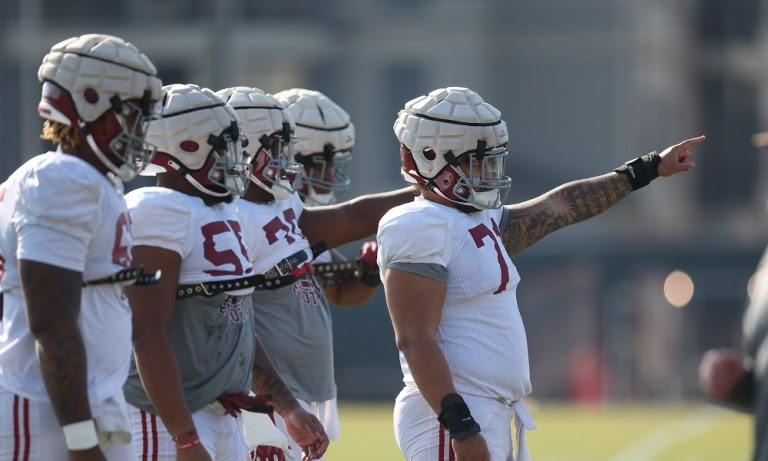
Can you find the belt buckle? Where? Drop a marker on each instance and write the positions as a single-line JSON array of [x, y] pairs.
[[280, 267], [205, 290]]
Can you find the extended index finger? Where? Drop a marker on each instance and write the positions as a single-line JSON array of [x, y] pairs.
[[692, 142]]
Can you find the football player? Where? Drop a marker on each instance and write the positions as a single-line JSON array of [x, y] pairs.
[[324, 140], [65, 242], [197, 356], [449, 281], [294, 322]]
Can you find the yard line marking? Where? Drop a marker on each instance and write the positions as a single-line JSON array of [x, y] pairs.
[[672, 433]]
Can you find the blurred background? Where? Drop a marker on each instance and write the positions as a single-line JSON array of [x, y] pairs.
[[618, 308]]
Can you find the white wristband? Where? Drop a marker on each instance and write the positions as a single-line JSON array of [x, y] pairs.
[[81, 435]]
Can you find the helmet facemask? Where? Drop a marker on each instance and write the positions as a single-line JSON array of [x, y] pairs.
[[324, 172], [231, 164], [273, 168], [129, 147], [475, 178], [482, 182]]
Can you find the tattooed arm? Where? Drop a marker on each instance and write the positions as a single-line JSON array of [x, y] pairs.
[[570, 203], [265, 380], [576, 201], [304, 428], [52, 303], [53, 312]]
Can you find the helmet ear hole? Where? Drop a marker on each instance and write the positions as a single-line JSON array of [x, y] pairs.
[[189, 146], [91, 95], [429, 154]]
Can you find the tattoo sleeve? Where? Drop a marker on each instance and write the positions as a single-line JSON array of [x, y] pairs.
[[52, 303], [266, 380], [568, 204]]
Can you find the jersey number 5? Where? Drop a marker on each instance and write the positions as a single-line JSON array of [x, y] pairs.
[[228, 256], [479, 233]]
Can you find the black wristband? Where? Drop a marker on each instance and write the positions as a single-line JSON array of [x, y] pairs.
[[456, 418], [641, 170]]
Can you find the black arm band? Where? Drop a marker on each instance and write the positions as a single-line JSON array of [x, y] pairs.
[[456, 418], [641, 170]]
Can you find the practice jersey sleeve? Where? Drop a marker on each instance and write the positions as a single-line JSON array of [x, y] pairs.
[[56, 216], [160, 219], [414, 241]]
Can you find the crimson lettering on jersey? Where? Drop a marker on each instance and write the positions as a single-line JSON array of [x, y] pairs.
[[235, 225], [288, 225], [227, 256], [120, 254], [479, 233]]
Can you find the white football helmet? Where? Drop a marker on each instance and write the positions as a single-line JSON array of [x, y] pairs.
[[454, 143], [324, 139], [199, 138], [105, 88], [268, 129]]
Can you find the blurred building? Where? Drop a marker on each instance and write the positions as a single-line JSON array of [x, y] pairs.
[[583, 86]]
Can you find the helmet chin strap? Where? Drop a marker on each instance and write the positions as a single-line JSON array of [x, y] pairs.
[[124, 171], [319, 199], [480, 200], [194, 181], [484, 200], [280, 190]]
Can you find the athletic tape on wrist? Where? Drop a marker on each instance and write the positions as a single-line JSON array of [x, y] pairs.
[[81, 435]]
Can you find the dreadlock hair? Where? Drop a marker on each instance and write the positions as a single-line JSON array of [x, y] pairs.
[[60, 134]]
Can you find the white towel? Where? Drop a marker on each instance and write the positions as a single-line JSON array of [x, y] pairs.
[[260, 430], [113, 425], [523, 422]]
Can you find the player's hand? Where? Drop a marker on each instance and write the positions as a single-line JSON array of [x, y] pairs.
[[268, 453], [196, 453], [305, 429], [678, 158], [720, 371], [369, 269], [94, 454], [473, 448]]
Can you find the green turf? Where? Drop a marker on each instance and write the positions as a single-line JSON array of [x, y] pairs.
[[651, 432]]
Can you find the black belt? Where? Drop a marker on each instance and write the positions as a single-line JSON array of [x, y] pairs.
[[130, 276], [280, 275], [258, 282], [342, 269], [287, 265]]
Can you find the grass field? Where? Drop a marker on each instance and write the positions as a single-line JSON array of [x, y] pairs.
[[652, 432]]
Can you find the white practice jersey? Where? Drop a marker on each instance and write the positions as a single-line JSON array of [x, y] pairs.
[[481, 332], [272, 231], [208, 238], [59, 210], [293, 322]]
